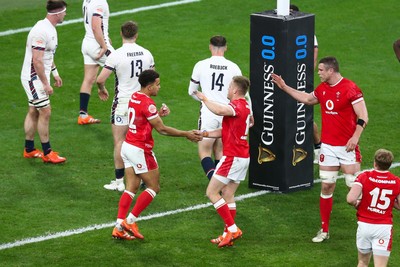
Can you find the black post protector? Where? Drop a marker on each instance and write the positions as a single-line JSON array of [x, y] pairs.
[[281, 141]]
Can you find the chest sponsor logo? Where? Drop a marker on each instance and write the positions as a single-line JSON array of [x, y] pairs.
[[329, 105]]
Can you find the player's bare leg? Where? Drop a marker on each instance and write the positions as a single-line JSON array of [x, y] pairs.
[[119, 133], [364, 259], [30, 124], [43, 124], [30, 127], [90, 73], [381, 261]]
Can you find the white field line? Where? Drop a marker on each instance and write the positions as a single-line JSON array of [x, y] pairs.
[[130, 11], [144, 218], [111, 224]]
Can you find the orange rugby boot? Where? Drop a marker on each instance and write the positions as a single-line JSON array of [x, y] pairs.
[[230, 237], [219, 239], [53, 157], [121, 234], [33, 154], [132, 228], [87, 120]]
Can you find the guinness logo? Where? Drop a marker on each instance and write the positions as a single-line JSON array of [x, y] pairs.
[[298, 155], [265, 155]]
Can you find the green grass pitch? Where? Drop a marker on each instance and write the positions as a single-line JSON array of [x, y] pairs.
[[43, 200]]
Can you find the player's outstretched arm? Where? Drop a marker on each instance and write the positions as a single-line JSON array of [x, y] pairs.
[[194, 135], [303, 97], [217, 133], [215, 107], [163, 129]]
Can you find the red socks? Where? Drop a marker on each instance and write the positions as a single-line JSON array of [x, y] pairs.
[[325, 209], [144, 199], [224, 212], [124, 204]]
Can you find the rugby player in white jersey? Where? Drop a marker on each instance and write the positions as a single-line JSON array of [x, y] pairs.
[[38, 63], [213, 75], [127, 62], [96, 46]]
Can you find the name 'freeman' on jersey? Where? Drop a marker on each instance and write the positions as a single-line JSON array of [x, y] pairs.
[[134, 54]]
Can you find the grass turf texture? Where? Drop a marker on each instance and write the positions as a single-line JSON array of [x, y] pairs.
[[38, 199]]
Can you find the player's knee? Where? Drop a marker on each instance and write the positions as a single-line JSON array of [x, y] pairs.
[[153, 193], [89, 78], [154, 189], [92, 79], [32, 111], [227, 194], [328, 176], [350, 178], [212, 194], [209, 193], [44, 116], [364, 257]]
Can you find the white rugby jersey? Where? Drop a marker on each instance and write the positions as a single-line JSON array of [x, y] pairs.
[[128, 62], [99, 8], [43, 36], [214, 75]]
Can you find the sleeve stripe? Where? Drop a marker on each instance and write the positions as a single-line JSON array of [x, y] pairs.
[[38, 48], [234, 112], [193, 81], [357, 100]]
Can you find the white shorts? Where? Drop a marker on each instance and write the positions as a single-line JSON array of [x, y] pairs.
[[337, 155], [37, 96], [374, 237], [209, 121], [140, 160], [231, 169], [119, 111], [90, 49]]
